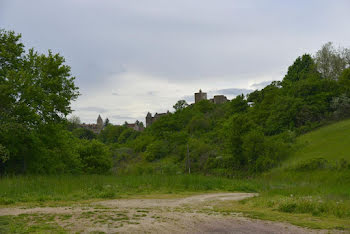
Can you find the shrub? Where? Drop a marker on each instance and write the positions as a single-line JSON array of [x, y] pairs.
[[156, 150], [83, 133], [313, 164], [95, 157]]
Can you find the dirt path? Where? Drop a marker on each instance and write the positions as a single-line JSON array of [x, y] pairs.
[[156, 216]]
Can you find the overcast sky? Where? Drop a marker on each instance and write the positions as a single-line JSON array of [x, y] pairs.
[[134, 56]]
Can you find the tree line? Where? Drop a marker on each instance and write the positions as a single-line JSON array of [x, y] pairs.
[[234, 138]]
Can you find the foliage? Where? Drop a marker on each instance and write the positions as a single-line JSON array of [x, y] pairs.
[[181, 104], [36, 91], [303, 68], [83, 133], [73, 123], [156, 150], [106, 123], [331, 62], [95, 157], [231, 139]]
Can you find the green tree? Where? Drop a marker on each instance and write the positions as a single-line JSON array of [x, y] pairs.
[[95, 157], [239, 104], [181, 104], [302, 68], [330, 61], [106, 122], [83, 133], [156, 150], [73, 123], [35, 90], [344, 81]]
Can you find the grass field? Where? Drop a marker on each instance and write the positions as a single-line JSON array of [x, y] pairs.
[[305, 190], [81, 187]]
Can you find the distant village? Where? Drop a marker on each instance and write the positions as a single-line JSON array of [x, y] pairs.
[[138, 126]]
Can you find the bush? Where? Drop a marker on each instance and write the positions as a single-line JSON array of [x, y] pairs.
[[83, 133], [95, 157], [156, 150], [321, 164]]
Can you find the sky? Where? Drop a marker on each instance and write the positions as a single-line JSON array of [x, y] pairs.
[[131, 57]]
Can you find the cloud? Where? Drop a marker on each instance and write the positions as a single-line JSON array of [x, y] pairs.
[[188, 98], [93, 109], [230, 91], [261, 85], [131, 57], [151, 93], [122, 117]]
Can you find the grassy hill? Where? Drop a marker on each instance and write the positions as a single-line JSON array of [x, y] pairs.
[[312, 184], [331, 142]]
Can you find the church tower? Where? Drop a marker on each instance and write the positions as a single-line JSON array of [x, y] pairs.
[[99, 121], [149, 119]]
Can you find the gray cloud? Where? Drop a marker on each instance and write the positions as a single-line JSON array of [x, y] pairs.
[[261, 85], [231, 91], [152, 93], [149, 54], [93, 109], [188, 98], [122, 117]]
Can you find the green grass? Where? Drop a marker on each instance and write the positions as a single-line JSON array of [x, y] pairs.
[[29, 223], [330, 142], [307, 185], [82, 187]]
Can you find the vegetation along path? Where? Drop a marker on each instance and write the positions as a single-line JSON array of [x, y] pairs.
[[193, 214]]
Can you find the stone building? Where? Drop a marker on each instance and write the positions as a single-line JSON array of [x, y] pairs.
[[219, 99], [200, 96], [150, 119], [137, 126], [96, 128]]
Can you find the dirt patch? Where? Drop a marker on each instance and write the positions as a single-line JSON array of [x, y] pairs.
[[156, 216], [147, 203]]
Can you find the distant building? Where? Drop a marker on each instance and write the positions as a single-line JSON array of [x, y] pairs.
[[137, 126], [219, 99], [151, 119], [200, 96], [96, 128]]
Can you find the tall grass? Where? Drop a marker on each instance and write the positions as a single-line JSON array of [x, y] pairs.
[[70, 187]]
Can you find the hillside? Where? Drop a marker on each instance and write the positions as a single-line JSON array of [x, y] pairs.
[[330, 142], [311, 187]]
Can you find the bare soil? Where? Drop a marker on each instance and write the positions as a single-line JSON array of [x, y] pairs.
[[181, 215]]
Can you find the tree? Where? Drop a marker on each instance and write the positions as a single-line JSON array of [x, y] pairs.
[[330, 61], [106, 122], [83, 133], [95, 157], [344, 81], [73, 123], [181, 104], [238, 104], [302, 68], [36, 90]]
